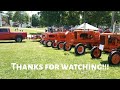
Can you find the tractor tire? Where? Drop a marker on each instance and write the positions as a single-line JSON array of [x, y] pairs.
[[43, 42], [54, 45], [96, 52], [67, 47], [18, 39], [114, 58], [79, 49], [60, 45], [48, 44]]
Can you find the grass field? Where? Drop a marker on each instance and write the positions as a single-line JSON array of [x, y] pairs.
[[29, 52], [28, 30]]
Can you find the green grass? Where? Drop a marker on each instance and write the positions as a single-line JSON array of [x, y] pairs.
[[29, 52]]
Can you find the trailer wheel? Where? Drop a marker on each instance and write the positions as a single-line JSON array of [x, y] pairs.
[[48, 44], [96, 52], [54, 45], [60, 45], [67, 47], [18, 39], [114, 58], [79, 49]]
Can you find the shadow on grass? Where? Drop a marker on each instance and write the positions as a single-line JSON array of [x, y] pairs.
[[104, 62], [76, 54], [87, 52], [95, 58], [71, 52], [35, 41], [57, 49], [105, 53], [12, 42]]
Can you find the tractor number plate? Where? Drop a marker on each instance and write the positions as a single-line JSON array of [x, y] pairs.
[[101, 47]]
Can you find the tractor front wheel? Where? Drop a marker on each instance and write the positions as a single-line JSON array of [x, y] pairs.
[[79, 49], [48, 44], [67, 47], [44, 42], [54, 45], [96, 52], [114, 58], [60, 45]]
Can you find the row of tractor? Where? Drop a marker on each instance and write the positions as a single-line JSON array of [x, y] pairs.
[[82, 39]]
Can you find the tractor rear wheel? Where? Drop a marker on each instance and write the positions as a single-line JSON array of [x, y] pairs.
[[60, 45], [54, 45], [67, 47], [79, 49], [114, 58], [96, 52], [48, 44]]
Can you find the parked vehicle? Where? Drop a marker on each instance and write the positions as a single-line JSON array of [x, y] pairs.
[[48, 38], [6, 34], [109, 42], [59, 40], [81, 39]]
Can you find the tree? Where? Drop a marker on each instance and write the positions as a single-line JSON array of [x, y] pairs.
[[96, 18], [10, 16], [59, 18], [35, 20], [21, 17]]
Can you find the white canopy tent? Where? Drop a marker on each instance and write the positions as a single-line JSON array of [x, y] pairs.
[[86, 26]]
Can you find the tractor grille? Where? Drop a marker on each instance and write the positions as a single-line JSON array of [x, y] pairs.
[[102, 40]]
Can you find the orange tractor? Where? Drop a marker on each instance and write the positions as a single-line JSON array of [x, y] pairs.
[[55, 39], [48, 38], [59, 40], [81, 39], [109, 42]]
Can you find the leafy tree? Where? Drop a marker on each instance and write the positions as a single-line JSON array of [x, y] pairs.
[[35, 20], [21, 17], [10, 16]]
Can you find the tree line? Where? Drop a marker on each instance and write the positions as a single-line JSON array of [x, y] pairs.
[[60, 18]]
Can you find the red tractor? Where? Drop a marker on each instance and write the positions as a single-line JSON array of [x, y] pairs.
[[59, 40], [109, 42], [81, 39], [48, 38]]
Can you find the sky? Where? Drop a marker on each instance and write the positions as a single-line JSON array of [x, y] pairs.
[[32, 12], [29, 12]]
